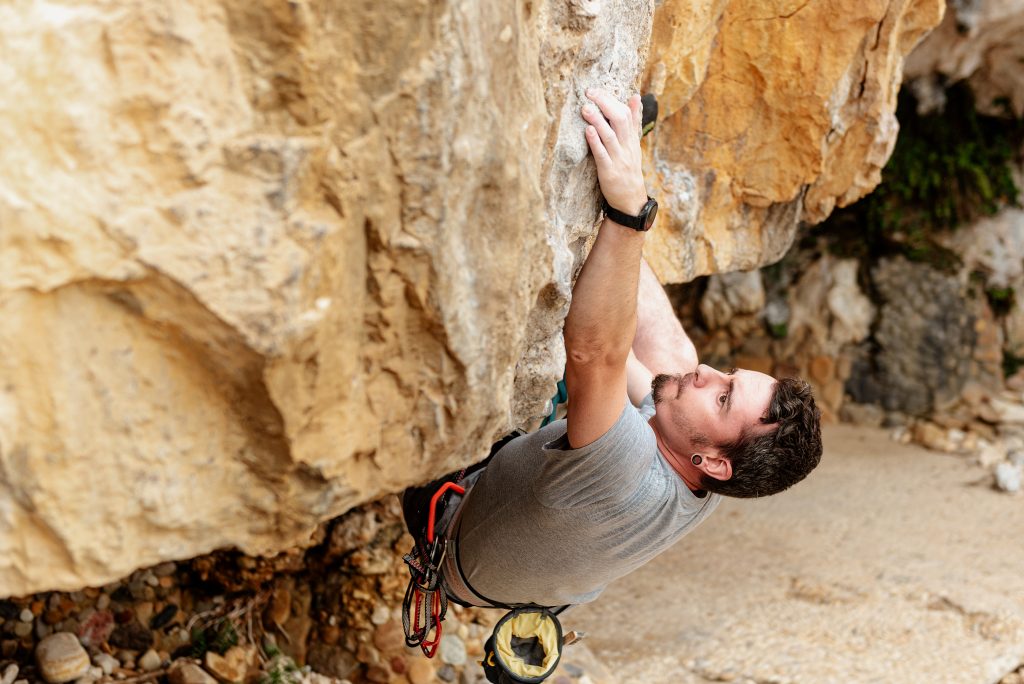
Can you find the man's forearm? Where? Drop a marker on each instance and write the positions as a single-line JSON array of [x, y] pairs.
[[602, 318]]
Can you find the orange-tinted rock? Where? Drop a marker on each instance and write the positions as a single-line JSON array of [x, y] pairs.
[[773, 112]]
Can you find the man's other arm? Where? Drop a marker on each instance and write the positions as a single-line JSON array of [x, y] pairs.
[[601, 324], [660, 344]]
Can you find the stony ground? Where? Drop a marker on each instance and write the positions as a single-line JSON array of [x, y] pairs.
[[890, 564]]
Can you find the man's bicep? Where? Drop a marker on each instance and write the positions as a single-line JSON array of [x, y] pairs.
[[597, 395], [638, 379]]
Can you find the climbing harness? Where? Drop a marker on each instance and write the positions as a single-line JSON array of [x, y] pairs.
[[425, 603]]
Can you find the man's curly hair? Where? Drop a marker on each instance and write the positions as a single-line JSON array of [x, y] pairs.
[[772, 462]]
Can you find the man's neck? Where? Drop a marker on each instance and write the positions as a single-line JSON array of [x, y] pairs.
[[686, 470]]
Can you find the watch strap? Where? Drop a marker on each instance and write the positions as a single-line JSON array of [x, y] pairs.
[[638, 222]]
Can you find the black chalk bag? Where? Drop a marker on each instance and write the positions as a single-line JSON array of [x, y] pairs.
[[525, 646]]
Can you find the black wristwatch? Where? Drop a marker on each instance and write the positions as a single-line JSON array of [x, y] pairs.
[[642, 221]]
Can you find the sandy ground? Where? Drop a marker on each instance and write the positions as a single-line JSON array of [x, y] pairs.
[[889, 564]]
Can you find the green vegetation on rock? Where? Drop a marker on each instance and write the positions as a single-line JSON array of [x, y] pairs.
[[948, 168]]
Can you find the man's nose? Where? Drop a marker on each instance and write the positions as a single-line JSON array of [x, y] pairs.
[[706, 374]]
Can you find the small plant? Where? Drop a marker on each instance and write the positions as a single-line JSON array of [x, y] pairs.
[[281, 670], [1001, 299], [218, 637], [778, 330]]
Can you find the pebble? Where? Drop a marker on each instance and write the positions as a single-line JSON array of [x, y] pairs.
[[131, 636], [26, 615], [189, 673], [453, 650], [96, 627], [61, 658], [279, 609], [106, 662], [43, 630], [380, 615], [1017, 458], [390, 637], [446, 673], [143, 612], [378, 674], [421, 671], [10, 674], [231, 667], [23, 629], [151, 579], [1008, 477], [149, 661], [164, 616], [103, 602], [165, 569]]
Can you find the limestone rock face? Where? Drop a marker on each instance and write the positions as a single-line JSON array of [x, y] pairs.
[[982, 42], [926, 336], [261, 261], [775, 112]]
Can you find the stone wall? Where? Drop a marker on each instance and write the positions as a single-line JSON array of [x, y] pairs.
[[263, 261]]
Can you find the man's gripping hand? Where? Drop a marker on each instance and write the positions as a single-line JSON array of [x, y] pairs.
[[614, 139]]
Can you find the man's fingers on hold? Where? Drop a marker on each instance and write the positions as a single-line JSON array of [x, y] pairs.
[[598, 121], [596, 146]]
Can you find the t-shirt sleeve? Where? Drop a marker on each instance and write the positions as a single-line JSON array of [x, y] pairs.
[[646, 407], [609, 467]]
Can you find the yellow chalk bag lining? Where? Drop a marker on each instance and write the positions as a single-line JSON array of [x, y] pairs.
[[526, 625]]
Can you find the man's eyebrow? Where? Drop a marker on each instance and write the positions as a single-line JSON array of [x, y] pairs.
[[728, 397]]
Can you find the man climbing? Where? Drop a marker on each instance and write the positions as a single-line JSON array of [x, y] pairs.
[[651, 441]]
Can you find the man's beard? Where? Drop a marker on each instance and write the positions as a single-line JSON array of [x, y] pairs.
[[658, 383], [662, 379]]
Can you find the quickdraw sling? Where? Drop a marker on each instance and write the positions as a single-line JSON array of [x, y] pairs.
[[425, 603]]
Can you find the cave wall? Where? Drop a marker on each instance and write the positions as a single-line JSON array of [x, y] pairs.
[[263, 261]]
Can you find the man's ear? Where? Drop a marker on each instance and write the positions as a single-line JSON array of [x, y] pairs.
[[716, 465]]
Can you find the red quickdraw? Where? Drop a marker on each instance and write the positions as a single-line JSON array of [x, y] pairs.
[[426, 604]]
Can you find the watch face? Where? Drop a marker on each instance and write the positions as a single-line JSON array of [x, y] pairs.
[[652, 211]]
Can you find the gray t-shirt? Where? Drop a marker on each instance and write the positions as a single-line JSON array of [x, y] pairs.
[[551, 525]]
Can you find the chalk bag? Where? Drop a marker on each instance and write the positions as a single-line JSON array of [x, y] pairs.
[[525, 646]]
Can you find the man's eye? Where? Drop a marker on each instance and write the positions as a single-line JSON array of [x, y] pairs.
[[722, 399]]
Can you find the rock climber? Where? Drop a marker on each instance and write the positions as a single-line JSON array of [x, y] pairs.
[[652, 439]]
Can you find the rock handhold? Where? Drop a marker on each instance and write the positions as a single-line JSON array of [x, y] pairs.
[[61, 658]]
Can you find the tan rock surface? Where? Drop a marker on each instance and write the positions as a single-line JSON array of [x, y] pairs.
[[981, 42], [263, 261], [774, 113]]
